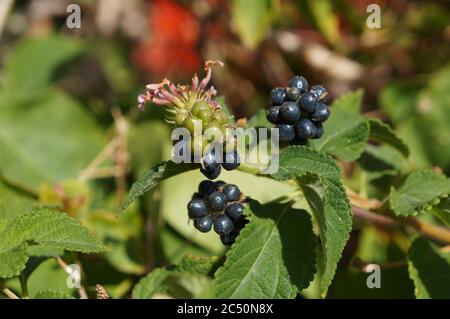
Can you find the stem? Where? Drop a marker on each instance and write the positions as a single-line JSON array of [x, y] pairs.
[[23, 286], [248, 168], [9, 293], [438, 233]]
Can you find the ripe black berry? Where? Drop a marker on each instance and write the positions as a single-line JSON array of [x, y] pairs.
[[223, 224], [308, 102], [217, 201], [319, 130], [213, 172], [277, 96], [231, 161], [286, 132], [232, 192], [206, 187], [204, 224], [219, 184], [290, 112], [273, 114], [227, 239], [197, 208], [235, 211], [305, 129], [321, 113], [298, 82], [293, 94], [319, 91]]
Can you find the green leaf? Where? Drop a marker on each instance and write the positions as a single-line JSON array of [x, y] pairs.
[[259, 120], [151, 284], [346, 132], [381, 160], [13, 203], [382, 132], [398, 101], [196, 264], [153, 177], [13, 261], [32, 64], [332, 210], [421, 188], [273, 256], [49, 228], [298, 160], [327, 198], [251, 20], [55, 123], [52, 294], [429, 268]]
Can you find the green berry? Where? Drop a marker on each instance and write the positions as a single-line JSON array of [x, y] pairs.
[[204, 115], [198, 144], [220, 117], [191, 122], [200, 106], [214, 131], [180, 117]]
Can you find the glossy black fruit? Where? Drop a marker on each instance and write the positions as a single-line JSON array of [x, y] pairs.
[[290, 112], [319, 91], [231, 161], [305, 129], [227, 239], [277, 96], [235, 211], [197, 208], [223, 224], [213, 173], [206, 187], [321, 113], [293, 94], [217, 201], [319, 130], [232, 192], [286, 132], [273, 114], [298, 82], [204, 224], [308, 102]]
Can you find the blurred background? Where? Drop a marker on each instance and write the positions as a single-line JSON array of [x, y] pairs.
[[72, 136]]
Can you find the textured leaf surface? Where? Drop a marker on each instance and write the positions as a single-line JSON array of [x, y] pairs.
[[151, 284], [429, 268], [153, 177], [326, 197], [13, 261], [52, 294], [382, 132], [49, 228], [197, 264], [298, 160], [346, 132], [332, 210], [420, 188], [273, 257]]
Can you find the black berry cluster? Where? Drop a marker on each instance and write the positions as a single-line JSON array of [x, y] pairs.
[[297, 112], [218, 205]]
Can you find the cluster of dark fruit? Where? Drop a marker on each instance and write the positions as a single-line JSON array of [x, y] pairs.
[[297, 112], [218, 205], [215, 121]]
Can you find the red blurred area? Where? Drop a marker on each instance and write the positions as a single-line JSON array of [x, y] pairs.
[[171, 46]]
